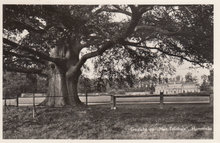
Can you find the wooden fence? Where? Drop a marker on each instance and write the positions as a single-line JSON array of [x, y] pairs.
[[112, 99], [161, 98]]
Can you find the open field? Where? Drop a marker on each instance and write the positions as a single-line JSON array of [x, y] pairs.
[[140, 121]]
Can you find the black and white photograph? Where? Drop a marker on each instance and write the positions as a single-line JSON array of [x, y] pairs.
[[108, 71]]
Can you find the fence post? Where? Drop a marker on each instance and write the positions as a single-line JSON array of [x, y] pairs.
[[161, 100], [5, 101], [17, 100], [86, 99], [211, 99], [34, 110], [5, 104], [113, 101]]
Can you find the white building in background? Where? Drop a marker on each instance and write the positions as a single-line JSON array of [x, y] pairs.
[[175, 88]]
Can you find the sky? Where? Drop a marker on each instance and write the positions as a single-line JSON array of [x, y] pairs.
[[182, 70]]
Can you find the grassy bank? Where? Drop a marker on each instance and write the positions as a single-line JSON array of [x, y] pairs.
[[186, 121]]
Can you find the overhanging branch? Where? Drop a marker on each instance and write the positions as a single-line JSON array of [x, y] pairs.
[[135, 17], [162, 51], [118, 9], [100, 51], [23, 56], [27, 26], [181, 57], [31, 51], [143, 9], [134, 21]]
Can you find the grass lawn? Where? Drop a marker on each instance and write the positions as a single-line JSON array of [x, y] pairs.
[[174, 121]]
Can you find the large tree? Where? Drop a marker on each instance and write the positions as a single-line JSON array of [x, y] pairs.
[[48, 40]]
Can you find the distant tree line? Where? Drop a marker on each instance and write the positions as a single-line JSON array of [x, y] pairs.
[[207, 84], [16, 83]]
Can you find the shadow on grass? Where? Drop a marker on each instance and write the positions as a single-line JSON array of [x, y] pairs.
[[187, 121]]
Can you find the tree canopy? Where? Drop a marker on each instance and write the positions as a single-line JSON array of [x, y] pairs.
[[66, 36], [179, 31]]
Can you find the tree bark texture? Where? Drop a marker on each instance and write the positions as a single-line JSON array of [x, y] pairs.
[[63, 79]]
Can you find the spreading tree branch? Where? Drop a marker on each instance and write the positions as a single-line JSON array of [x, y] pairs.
[[24, 25], [100, 51], [126, 43], [74, 69], [136, 16], [5, 52], [134, 21], [143, 8], [116, 10], [119, 10], [31, 51]]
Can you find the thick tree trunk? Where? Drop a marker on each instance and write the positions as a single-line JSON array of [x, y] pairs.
[[56, 92], [72, 90], [63, 78], [62, 91]]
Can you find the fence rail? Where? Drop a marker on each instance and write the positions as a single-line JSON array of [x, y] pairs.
[[88, 98], [161, 98]]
